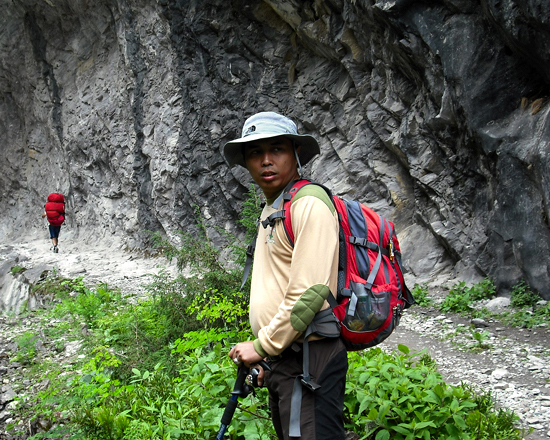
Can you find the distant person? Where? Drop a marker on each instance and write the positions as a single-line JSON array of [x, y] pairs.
[[54, 210]]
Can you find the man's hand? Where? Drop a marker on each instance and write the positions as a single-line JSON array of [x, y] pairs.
[[245, 352]]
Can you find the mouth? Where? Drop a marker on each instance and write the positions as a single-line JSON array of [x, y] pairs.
[[268, 174]]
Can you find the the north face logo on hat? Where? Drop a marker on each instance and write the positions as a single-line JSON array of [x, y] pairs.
[[250, 130]]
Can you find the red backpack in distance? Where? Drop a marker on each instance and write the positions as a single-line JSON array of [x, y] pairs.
[[55, 209], [371, 292]]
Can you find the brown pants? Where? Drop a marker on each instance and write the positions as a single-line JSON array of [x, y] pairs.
[[321, 416]]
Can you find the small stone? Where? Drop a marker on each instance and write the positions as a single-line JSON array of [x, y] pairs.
[[536, 426], [500, 373], [498, 304], [478, 322]]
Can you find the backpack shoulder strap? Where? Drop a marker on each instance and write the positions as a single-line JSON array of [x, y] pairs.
[[301, 189]]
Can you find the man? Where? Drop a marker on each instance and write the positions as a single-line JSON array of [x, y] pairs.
[[290, 284], [54, 210]]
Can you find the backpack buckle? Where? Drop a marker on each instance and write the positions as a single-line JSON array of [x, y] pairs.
[[309, 384], [250, 250], [390, 250]]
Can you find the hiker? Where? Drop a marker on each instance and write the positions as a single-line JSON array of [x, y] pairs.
[[54, 210], [290, 284]]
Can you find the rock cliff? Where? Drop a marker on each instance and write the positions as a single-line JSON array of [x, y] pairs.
[[434, 113]]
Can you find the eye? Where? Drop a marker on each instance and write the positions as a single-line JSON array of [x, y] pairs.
[[252, 152]]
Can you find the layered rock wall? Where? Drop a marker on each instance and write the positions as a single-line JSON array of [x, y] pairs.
[[434, 113]]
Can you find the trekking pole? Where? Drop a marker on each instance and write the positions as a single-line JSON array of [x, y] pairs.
[[240, 389]]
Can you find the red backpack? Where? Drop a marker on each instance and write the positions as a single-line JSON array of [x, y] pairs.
[[56, 197], [371, 292], [55, 209]]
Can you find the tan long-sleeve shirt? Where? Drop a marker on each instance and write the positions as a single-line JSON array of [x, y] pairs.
[[289, 284]]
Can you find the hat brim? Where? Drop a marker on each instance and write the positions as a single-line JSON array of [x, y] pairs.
[[309, 147]]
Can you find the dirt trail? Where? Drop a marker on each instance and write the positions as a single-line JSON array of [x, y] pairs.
[[99, 261]]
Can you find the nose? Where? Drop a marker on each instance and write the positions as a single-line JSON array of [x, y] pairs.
[[266, 159]]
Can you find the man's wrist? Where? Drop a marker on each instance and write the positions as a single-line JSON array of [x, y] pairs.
[[259, 349]]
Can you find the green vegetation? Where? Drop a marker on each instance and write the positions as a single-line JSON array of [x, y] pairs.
[[530, 310], [398, 396], [158, 368], [17, 269], [480, 338], [26, 348], [420, 294], [252, 208], [460, 297]]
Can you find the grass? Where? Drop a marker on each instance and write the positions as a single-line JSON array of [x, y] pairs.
[[17, 270]]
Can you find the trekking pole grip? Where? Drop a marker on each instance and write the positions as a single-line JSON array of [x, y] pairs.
[[229, 411]]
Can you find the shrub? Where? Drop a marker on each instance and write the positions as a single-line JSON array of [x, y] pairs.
[[396, 396], [460, 297], [154, 404], [522, 296], [420, 294]]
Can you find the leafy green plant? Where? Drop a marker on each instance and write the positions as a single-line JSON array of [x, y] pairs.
[[17, 269], [480, 338], [457, 300], [395, 396], [26, 347], [216, 310], [88, 304], [461, 297], [420, 294], [485, 289], [528, 318], [189, 405], [522, 296]]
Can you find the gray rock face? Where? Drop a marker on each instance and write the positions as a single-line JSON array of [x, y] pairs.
[[436, 116]]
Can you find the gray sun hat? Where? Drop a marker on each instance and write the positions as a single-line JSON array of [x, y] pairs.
[[267, 125]]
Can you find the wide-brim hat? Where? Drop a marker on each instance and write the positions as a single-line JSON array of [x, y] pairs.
[[266, 125]]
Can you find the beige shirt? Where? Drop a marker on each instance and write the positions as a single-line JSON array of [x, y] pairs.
[[281, 274]]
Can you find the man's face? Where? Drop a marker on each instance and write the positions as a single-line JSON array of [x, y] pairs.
[[271, 163]]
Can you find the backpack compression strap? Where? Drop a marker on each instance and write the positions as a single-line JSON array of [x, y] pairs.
[[324, 324]]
